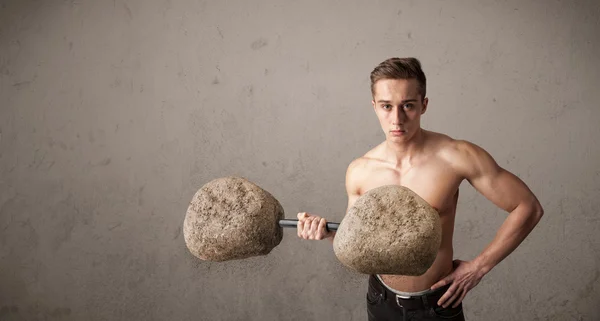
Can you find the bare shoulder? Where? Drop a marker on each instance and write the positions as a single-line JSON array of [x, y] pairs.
[[359, 168], [361, 164], [355, 173], [467, 158], [438, 141]]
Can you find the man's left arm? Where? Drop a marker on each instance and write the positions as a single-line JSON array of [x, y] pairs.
[[506, 191]]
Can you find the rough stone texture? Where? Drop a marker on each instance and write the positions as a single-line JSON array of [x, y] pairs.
[[389, 230], [232, 218]]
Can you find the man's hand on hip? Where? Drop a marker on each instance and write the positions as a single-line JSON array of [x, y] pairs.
[[465, 276]]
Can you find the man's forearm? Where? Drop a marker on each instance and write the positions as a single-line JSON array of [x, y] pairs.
[[519, 223]]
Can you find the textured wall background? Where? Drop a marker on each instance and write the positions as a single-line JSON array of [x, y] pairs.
[[113, 113]]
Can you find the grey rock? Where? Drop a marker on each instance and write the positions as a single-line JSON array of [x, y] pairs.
[[389, 230], [232, 218]]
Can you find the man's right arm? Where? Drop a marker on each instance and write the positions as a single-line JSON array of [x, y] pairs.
[[312, 227], [353, 182]]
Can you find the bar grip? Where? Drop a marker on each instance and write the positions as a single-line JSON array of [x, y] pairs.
[[294, 223]]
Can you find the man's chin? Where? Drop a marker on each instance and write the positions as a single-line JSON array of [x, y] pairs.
[[404, 136], [397, 139]]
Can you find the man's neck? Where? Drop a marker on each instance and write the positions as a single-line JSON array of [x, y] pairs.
[[402, 154]]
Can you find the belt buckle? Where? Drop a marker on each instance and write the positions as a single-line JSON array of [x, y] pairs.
[[398, 297]]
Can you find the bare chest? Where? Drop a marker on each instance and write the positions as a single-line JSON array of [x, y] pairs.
[[436, 183]]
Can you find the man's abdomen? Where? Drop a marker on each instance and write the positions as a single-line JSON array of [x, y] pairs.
[[441, 267]]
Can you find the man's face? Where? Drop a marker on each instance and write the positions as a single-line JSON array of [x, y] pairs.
[[398, 107]]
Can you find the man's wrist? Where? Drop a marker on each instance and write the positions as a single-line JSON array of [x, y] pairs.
[[482, 265], [331, 236]]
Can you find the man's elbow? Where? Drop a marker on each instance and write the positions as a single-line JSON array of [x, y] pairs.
[[537, 212]]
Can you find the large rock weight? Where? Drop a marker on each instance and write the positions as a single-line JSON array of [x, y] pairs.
[[232, 218], [389, 230]]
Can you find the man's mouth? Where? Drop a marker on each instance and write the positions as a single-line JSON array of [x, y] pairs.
[[397, 132]]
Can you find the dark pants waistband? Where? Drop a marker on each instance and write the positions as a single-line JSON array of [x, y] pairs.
[[416, 302]]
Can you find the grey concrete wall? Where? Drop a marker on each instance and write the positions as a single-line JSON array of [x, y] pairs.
[[113, 113]]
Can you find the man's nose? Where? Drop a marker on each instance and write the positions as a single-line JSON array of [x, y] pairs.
[[399, 117]]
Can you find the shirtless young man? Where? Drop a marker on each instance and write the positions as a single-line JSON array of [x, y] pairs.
[[433, 165]]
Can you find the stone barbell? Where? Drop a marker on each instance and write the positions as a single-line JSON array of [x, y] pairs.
[[388, 230]]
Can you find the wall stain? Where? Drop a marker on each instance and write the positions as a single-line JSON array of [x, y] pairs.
[[128, 11], [140, 199], [115, 226], [259, 43], [105, 161], [22, 84]]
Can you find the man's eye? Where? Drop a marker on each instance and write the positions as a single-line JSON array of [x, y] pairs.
[[408, 106], [387, 106]]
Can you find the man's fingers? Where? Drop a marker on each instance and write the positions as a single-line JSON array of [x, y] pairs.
[[314, 226], [308, 227], [455, 295], [300, 228], [311, 227], [441, 283], [449, 293], [462, 297], [321, 229]]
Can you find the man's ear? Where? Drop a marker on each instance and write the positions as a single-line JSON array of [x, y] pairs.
[[425, 102], [373, 103]]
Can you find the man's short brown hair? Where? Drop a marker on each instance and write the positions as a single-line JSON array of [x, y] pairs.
[[400, 68]]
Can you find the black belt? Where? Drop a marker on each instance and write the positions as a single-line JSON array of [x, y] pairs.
[[413, 302]]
